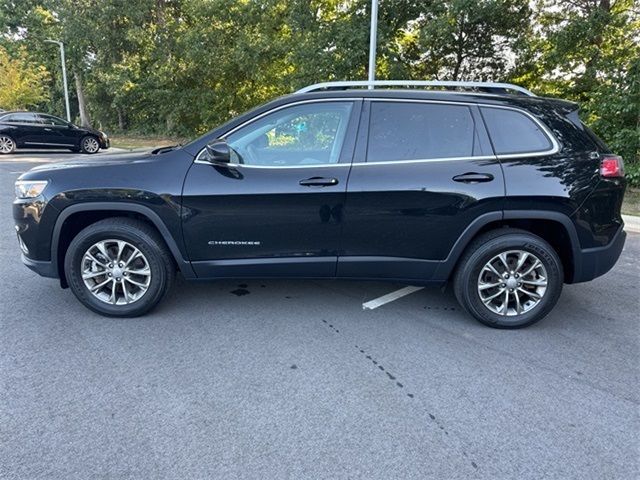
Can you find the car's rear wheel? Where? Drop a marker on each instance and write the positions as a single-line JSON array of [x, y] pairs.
[[89, 144], [509, 279], [7, 144], [119, 267]]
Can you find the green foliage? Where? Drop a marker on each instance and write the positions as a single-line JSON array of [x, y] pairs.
[[181, 67], [632, 173], [22, 84], [590, 53], [464, 39]]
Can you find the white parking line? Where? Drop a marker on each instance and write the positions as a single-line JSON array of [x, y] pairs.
[[389, 297]]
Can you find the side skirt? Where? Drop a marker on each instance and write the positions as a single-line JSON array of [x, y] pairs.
[[408, 270]]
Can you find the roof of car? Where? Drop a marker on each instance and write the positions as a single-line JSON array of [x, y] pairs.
[[25, 111], [8, 112], [523, 101]]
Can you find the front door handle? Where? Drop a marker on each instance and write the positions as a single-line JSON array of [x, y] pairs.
[[473, 177], [319, 182]]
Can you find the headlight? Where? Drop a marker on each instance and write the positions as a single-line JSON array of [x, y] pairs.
[[30, 188], [104, 135]]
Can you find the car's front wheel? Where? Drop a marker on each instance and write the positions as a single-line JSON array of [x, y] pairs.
[[89, 144], [119, 267], [7, 144], [509, 279]]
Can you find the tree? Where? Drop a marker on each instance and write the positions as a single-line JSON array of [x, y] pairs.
[[181, 67], [589, 51], [464, 39], [22, 84]]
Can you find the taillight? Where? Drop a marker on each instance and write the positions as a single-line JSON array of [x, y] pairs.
[[612, 166]]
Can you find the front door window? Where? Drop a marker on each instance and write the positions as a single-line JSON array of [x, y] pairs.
[[301, 135]]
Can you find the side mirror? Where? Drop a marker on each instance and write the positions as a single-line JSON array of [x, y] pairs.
[[218, 151]]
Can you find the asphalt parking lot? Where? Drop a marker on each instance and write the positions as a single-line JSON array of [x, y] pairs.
[[293, 379]]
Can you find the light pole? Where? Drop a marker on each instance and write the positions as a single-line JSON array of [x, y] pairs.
[[373, 40], [64, 76]]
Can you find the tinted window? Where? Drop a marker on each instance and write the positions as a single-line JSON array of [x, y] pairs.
[[50, 120], [310, 134], [514, 132], [415, 131], [21, 118]]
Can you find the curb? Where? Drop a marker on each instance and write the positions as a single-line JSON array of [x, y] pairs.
[[113, 150], [631, 223]]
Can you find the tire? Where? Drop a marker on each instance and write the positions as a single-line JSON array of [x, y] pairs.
[[474, 279], [7, 144], [89, 144], [147, 277]]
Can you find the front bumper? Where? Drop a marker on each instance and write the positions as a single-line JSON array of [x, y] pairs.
[[104, 143], [595, 262], [43, 268]]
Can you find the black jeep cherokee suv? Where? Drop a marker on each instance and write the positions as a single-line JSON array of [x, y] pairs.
[[505, 196]]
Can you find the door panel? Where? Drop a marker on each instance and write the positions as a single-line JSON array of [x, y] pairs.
[[405, 211], [56, 132], [27, 128], [272, 213]]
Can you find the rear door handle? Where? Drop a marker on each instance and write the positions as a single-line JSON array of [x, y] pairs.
[[473, 177], [319, 182]]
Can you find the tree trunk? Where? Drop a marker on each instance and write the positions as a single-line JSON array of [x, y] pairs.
[[160, 8], [120, 120], [460, 45], [82, 104]]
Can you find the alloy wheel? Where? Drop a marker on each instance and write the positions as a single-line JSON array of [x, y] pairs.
[[115, 272], [7, 144], [90, 145], [512, 283]]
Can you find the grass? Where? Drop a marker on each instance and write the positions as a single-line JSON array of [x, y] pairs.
[[631, 202], [131, 142]]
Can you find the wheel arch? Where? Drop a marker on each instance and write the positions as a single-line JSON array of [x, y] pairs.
[[77, 217], [554, 227]]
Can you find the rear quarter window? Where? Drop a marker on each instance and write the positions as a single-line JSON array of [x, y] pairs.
[[514, 132]]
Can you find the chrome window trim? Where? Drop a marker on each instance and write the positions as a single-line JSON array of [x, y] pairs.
[[427, 160], [272, 167], [555, 145]]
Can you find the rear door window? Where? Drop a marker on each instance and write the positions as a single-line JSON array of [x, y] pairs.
[[419, 131], [514, 132]]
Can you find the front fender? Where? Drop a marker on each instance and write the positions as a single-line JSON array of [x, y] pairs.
[[125, 207]]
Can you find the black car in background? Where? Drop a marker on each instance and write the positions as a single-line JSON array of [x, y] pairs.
[[40, 130], [504, 196]]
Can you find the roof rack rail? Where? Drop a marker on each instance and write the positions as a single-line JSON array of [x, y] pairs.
[[501, 87]]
